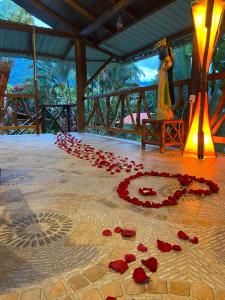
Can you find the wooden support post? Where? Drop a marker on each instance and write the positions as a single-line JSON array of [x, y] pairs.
[[35, 81], [43, 119], [81, 75], [68, 118]]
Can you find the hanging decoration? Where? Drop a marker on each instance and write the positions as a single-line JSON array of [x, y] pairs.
[[119, 23]]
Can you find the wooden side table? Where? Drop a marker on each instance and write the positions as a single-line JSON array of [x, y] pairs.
[[163, 133]]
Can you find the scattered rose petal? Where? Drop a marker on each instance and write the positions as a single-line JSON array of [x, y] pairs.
[[106, 232], [140, 276], [164, 246], [129, 258], [110, 298], [128, 233], [176, 248], [142, 248], [150, 263], [182, 235], [118, 229], [119, 266], [194, 240]]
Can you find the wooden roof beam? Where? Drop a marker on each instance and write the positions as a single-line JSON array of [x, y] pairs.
[[55, 15], [28, 28], [106, 16], [85, 12], [126, 11], [162, 4]]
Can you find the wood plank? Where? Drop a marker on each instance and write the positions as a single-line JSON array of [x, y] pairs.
[[130, 112], [219, 139], [55, 15], [81, 78], [218, 124], [84, 12], [17, 127], [219, 108], [40, 30], [106, 16], [114, 129]]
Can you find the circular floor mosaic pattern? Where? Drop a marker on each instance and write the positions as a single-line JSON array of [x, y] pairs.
[[36, 230]]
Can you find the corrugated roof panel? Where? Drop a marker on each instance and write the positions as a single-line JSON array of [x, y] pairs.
[[51, 44], [169, 20], [92, 53], [13, 41]]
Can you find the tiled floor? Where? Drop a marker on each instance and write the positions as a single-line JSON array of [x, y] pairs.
[[53, 208]]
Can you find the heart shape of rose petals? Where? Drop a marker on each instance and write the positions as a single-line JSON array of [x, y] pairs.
[[140, 276], [142, 248], [119, 266], [150, 263]]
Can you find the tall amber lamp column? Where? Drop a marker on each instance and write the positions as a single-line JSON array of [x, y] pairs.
[[207, 15]]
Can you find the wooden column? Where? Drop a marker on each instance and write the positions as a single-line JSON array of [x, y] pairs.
[[35, 81], [81, 75]]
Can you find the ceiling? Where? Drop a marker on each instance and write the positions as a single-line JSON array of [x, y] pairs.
[[144, 23]]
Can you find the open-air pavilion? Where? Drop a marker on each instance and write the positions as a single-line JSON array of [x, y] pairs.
[[73, 206]]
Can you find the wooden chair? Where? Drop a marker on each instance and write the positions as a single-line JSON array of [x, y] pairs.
[[163, 133]]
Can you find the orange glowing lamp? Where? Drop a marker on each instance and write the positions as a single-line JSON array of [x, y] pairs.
[[207, 15]]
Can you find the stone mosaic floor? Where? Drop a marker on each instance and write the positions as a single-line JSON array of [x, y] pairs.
[[53, 208]]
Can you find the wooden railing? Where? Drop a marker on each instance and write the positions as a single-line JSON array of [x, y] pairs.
[[117, 106], [106, 112], [58, 117], [17, 113]]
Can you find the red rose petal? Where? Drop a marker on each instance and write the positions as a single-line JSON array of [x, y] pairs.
[[176, 248], [182, 235], [119, 266], [194, 240], [106, 232], [140, 276], [110, 298], [128, 233], [150, 263], [142, 248], [164, 246], [118, 229], [129, 258]]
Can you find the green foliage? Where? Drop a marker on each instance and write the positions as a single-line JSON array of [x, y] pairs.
[[10, 11], [53, 83]]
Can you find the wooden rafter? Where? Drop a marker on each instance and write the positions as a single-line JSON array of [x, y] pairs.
[[40, 30], [69, 25], [85, 12], [126, 11], [161, 5], [106, 16], [56, 16]]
